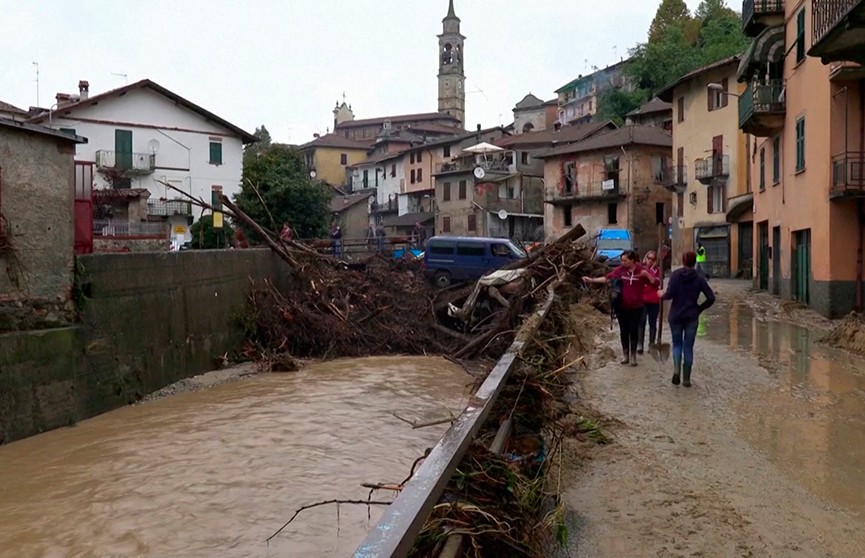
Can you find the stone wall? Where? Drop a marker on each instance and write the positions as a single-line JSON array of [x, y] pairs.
[[126, 244], [148, 320]]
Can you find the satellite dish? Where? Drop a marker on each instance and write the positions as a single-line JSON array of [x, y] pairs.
[[312, 174], [355, 173], [371, 200], [503, 214], [153, 146], [480, 173]]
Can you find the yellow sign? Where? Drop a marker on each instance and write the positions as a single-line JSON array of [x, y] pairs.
[[180, 229], [217, 220]]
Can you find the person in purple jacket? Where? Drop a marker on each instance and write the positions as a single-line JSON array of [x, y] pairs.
[[684, 290]]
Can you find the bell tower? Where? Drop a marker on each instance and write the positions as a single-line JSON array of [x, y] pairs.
[[452, 79]]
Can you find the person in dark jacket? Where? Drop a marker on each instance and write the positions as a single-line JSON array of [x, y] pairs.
[[684, 290], [629, 311]]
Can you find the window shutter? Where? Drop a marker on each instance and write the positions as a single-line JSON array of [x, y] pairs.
[[710, 96], [725, 98], [710, 202], [724, 198]]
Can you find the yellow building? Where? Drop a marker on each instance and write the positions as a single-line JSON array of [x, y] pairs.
[[329, 155], [713, 201]]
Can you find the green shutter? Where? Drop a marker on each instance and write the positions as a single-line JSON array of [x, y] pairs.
[[123, 149], [800, 145], [215, 153], [800, 35]]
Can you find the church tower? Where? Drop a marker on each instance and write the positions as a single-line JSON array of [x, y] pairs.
[[452, 79]]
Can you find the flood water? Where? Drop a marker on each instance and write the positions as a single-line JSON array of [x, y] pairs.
[[812, 421], [215, 472]]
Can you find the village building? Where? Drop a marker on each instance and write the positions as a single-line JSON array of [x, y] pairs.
[[144, 136], [654, 113], [351, 212], [534, 115], [12, 112], [37, 225], [578, 99], [610, 180], [709, 173], [328, 157]]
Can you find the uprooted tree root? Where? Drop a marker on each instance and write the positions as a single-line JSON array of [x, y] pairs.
[[509, 504]]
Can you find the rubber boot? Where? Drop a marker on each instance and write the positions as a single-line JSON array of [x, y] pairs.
[[625, 360], [633, 358], [686, 376], [641, 336], [677, 368]]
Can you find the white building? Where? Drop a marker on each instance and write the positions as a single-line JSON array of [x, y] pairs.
[[142, 134], [386, 174]]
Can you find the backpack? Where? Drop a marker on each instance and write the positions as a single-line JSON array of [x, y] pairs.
[[615, 292]]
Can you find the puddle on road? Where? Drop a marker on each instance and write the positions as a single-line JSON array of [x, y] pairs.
[[812, 424]]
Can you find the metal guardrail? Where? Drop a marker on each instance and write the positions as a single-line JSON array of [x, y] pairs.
[[169, 207], [395, 533], [760, 98], [714, 166], [751, 8], [141, 163], [826, 15], [126, 229], [586, 191]]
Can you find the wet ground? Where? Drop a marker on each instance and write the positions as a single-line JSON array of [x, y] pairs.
[[215, 472], [764, 456]]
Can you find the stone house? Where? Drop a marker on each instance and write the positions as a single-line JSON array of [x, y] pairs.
[[578, 99], [352, 213], [36, 216], [654, 113], [611, 180], [534, 115]]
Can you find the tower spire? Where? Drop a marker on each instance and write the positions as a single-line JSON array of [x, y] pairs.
[[451, 13]]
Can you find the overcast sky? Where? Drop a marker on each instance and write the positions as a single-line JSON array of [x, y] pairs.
[[284, 63]]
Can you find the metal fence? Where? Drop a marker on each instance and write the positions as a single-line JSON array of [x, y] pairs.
[[126, 229]]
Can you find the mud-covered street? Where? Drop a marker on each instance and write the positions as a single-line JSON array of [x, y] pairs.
[[763, 456]]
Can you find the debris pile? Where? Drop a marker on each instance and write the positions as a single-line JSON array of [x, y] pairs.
[[849, 335]]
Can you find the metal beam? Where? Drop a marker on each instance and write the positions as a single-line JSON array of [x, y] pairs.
[[396, 531]]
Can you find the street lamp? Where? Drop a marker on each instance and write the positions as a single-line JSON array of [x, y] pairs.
[[719, 87]]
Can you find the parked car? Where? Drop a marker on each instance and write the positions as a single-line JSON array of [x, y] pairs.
[[450, 259], [611, 243]]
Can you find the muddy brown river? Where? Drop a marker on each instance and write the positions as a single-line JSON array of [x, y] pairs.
[[215, 472]]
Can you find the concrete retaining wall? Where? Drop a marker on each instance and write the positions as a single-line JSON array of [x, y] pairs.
[[148, 320]]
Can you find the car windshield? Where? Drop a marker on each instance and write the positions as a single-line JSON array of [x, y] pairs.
[[516, 250], [614, 244]]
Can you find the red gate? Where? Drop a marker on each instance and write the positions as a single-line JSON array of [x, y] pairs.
[[83, 207]]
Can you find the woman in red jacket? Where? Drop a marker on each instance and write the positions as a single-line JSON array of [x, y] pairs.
[[629, 310], [651, 303]]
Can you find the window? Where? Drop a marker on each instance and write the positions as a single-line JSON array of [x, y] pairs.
[[446, 191], [524, 157], [442, 248], [658, 170], [612, 213], [718, 99], [215, 153], [471, 249], [800, 144], [343, 159], [660, 210], [366, 179], [413, 176], [393, 170], [462, 192], [716, 200], [611, 169], [800, 35], [762, 168], [418, 159], [568, 216], [446, 151], [776, 160], [681, 111], [411, 157], [473, 223], [420, 175], [446, 225]]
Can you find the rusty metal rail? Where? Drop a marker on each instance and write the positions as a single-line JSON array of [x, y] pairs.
[[396, 531]]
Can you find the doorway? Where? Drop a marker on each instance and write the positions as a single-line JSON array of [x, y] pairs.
[[776, 261], [802, 266], [746, 250], [763, 234]]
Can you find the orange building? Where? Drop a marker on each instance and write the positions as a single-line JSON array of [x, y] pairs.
[[808, 123]]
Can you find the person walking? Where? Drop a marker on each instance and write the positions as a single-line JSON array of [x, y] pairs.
[[380, 235], [629, 309], [684, 290], [701, 260], [651, 303], [419, 235], [336, 239]]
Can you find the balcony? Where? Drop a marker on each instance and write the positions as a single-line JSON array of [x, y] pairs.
[[129, 163], [848, 176], [759, 14], [838, 30], [675, 178], [713, 168], [390, 206], [607, 190], [761, 108], [168, 208], [467, 164], [108, 229]]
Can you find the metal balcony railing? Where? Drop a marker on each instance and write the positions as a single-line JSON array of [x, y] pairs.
[[826, 15], [126, 229], [468, 165], [848, 175], [716, 166], [134, 163], [586, 191], [756, 8], [761, 98], [675, 177], [386, 207], [169, 207]]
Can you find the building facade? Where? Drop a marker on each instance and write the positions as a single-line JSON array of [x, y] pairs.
[[610, 180], [451, 75], [713, 202], [803, 104], [331, 156], [534, 115], [578, 99]]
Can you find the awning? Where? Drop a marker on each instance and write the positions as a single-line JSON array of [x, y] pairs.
[[767, 47]]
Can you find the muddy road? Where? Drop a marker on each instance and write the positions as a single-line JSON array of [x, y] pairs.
[[763, 456]]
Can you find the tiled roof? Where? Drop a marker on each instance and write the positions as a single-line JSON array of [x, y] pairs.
[[428, 116], [666, 94], [339, 204], [334, 140], [407, 220], [7, 108], [653, 106], [146, 83], [620, 137], [550, 138], [435, 128], [37, 129]]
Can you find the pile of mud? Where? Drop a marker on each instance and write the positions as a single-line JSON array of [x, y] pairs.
[[850, 335]]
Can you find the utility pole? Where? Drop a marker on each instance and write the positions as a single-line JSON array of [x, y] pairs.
[[37, 82]]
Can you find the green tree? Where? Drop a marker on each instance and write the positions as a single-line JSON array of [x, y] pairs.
[[671, 13], [713, 9], [253, 149], [657, 63], [280, 175], [720, 38], [614, 103], [206, 237]]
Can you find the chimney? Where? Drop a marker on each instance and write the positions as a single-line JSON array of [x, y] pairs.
[[83, 89], [479, 127], [63, 99]]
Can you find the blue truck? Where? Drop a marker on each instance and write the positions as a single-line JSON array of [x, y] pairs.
[[610, 243]]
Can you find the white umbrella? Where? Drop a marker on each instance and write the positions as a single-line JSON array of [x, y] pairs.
[[483, 147]]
